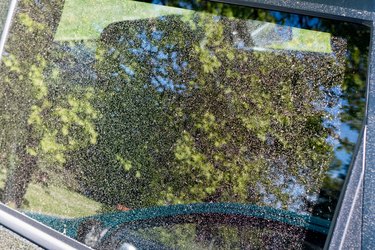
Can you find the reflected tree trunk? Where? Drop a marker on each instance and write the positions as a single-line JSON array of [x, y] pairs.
[[22, 166], [35, 23]]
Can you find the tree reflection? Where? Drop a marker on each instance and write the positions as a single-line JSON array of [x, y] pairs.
[[23, 90], [195, 118], [182, 109], [46, 115]]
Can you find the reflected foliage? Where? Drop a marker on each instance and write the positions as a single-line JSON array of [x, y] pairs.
[[219, 119], [352, 96], [45, 116], [183, 109], [233, 236]]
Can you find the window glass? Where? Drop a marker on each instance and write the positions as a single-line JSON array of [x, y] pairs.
[[135, 123], [4, 8]]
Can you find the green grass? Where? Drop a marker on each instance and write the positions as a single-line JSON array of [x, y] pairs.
[[55, 200], [86, 19], [59, 201], [306, 40]]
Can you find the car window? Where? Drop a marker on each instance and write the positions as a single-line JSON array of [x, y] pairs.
[[128, 112], [3, 13]]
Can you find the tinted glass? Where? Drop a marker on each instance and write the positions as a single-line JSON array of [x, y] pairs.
[[111, 108]]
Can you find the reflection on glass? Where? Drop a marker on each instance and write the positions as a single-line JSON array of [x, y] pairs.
[[119, 106], [208, 236]]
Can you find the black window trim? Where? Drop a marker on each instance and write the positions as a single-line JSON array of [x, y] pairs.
[[358, 197]]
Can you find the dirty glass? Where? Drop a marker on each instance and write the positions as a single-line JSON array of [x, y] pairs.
[[204, 124], [4, 7]]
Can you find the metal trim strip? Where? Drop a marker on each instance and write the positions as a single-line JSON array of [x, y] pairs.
[[36, 232]]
